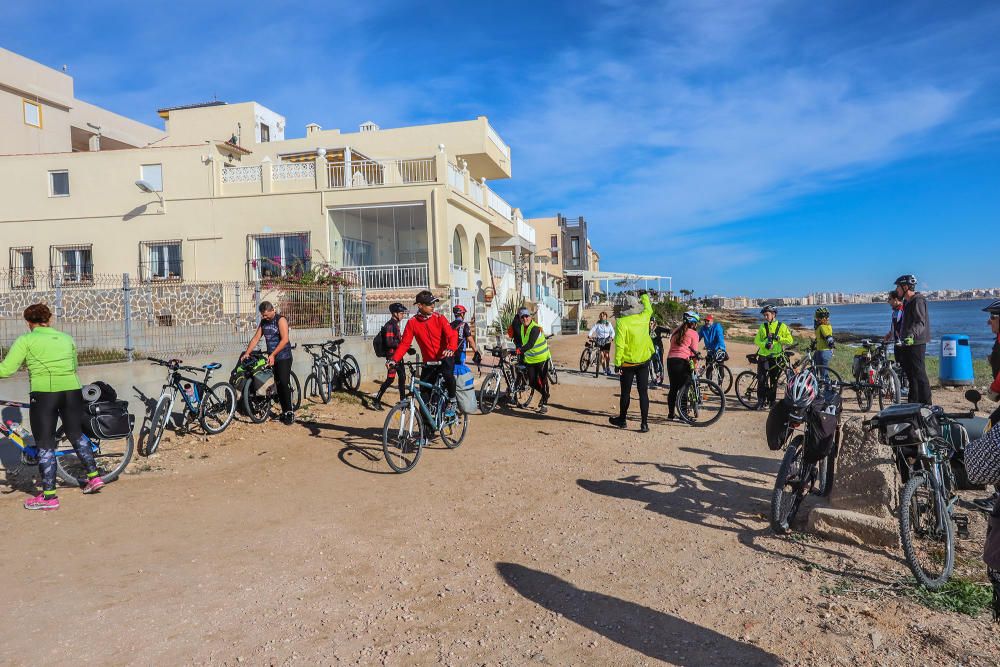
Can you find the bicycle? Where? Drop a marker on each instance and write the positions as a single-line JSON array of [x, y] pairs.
[[717, 371], [656, 368], [699, 395], [518, 390], [754, 398], [112, 456], [874, 376], [318, 382], [259, 393], [212, 406], [414, 420], [345, 372]]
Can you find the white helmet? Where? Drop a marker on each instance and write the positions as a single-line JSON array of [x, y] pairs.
[[802, 389]]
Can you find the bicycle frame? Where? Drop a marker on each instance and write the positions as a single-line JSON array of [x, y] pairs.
[[30, 451], [174, 386], [437, 394]]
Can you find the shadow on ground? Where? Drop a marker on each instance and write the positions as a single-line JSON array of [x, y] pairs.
[[653, 633]]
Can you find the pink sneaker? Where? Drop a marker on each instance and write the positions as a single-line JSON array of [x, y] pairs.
[[40, 502], [93, 485]]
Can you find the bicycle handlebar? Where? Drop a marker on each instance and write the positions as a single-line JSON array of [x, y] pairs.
[[16, 404]]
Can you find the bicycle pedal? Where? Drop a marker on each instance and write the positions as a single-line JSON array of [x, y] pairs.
[[961, 525]]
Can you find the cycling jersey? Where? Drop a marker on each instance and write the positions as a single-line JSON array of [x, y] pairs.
[[713, 336], [50, 356], [433, 334], [633, 346], [823, 332], [272, 336]]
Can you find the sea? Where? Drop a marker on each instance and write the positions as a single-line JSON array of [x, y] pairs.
[[872, 319]]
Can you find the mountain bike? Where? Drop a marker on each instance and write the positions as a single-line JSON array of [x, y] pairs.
[[318, 382], [874, 376], [700, 402], [345, 372], [753, 397], [112, 456], [211, 406], [592, 355], [259, 394], [417, 418], [716, 370], [518, 392]]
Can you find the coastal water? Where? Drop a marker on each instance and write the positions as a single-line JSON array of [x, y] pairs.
[[872, 319]]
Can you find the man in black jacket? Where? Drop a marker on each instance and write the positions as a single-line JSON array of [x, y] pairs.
[[914, 334], [391, 335]]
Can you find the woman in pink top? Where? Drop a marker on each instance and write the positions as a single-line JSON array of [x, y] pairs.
[[683, 346]]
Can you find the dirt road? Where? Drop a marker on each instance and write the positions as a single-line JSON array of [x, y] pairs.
[[553, 540]]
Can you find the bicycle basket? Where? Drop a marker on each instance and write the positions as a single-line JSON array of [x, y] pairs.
[[907, 425], [108, 420]]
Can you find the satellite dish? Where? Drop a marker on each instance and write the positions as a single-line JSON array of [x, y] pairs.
[[145, 186]]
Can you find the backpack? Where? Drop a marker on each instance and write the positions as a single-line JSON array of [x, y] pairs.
[[379, 344]]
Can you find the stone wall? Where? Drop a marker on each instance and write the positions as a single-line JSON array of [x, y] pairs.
[[191, 304]]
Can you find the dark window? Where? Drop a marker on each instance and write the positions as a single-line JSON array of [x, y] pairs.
[[275, 255], [265, 133], [22, 268], [161, 260], [59, 183], [73, 264]]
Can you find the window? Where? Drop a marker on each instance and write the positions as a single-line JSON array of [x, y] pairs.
[[554, 243], [32, 113], [574, 245], [275, 255], [456, 250], [380, 236], [22, 268], [152, 174], [476, 260], [161, 260], [73, 264], [265, 133], [59, 183]]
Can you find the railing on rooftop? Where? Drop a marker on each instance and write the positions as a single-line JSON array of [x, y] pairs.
[[456, 177], [243, 174], [387, 276], [377, 173], [495, 138], [293, 171]]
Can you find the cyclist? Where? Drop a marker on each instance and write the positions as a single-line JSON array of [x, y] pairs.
[[824, 340], [602, 334], [770, 340], [533, 350], [656, 333], [50, 356], [466, 341], [897, 317], [273, 328], [986, 504], [633, 350], [391, 335], [715, 339], [683, 346], [914, 334], [437, 342]]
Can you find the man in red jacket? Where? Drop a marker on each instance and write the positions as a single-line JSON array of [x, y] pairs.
[[437, 342]]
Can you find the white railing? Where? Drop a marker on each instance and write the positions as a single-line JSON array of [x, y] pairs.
[[378, 173], [456, 178], [525, 231], [387, 276], [459, 276], [250, 174], [492, 134], [476, 191], [500, 205], [499, 269], [293, 171]]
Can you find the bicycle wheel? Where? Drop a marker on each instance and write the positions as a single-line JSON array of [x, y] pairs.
[[827, 469], [888, 391], [350, 373], [157, 424], [111, 457], [700, 405], [585, 358], [864, 396], [293, 380], [790, 486], [255, 406], [828, 380], [489, 393], [453, 431], [322, 382], [553, 374], [218, 406], [746, 390], [725, 378], [523, 392], [656, 370], [928, 538], [403, 437]]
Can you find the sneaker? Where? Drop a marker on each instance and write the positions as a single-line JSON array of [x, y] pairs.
[[288, 418], [40, 502], [617, 421], [542, 409], [986, 504], [93, 485], [643, 427], [375, 405], [609, 373]]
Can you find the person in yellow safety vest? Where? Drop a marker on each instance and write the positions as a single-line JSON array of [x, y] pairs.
[[771, 338], [534, 349], [633, 350]]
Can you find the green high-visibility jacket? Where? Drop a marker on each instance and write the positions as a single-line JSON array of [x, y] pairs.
[[633, 346], [777, 333], [538, 352], [50, 356]]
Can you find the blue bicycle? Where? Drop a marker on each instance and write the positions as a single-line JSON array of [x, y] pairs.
[[111, 455]]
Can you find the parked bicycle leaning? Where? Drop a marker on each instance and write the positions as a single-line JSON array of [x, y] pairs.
[[273, 328]]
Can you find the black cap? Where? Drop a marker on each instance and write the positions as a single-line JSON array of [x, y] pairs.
[[426, 297], [397, 308]]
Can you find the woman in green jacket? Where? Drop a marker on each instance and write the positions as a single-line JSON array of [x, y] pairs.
[[50, 356], [633, 349]]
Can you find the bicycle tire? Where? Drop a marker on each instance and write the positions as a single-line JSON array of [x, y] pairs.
[[913, 508], [350, 371], [864, 397], [788, 486], [827, 468], [255, 407], [585, 358], [111, 457], [218, 406], [489, 393], [553, 374], [461, 426], [690, 414], [322, 381], [725, 380], [157, 424], [523, 392], [746, 390], [889, 391], [395, 444]]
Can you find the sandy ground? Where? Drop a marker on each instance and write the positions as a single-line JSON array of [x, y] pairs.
[[553, 540]]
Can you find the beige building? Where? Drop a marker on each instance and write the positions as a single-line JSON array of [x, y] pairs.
[[221, 194]]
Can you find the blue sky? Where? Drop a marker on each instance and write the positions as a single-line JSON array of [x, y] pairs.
[[752, 147]]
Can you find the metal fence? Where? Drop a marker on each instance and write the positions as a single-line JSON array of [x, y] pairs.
[[117, 318]]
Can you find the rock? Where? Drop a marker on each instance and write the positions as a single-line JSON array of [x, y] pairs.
[[865, 478], [845, 525]]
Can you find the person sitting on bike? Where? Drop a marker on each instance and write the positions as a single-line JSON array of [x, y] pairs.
[[633, 350], [656, 333], [602, 334], [391, 335], [715, 339], [683, 346], [56, 395], [466, 341], [824, 340], [987, 504], [273, 328], [534, 352], [771, 338], [437, 342], [914, 334]]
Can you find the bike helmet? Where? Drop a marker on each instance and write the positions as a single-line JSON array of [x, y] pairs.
[[397, 308], [822, 312], [521, 312], [459, 309], [768, 309], [721, 356], [802, 390], [907, 280], [993, 308], [692, 317]]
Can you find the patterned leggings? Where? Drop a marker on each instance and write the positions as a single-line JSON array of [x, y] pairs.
[[47, 408]]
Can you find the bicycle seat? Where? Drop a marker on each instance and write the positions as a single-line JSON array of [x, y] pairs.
[[212, 366], [339, 341]]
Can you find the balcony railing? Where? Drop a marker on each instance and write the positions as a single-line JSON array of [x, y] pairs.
[[525, 231], [387, 276], [248, 174], [499, 269], [293, 171], [378, 173], [459, 276], [500, 205], [495, 138], [476, 191], [161, 272], [456, 177]]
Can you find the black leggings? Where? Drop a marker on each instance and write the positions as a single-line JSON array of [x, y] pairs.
[[768, 376], [640, 374], [538, 377], [678, 372], [911, 360], [283, 376], [446, 370], [389, 379], [47, 408]]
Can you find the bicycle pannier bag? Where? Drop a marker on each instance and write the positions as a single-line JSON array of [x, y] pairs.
[[108, 420], [262, 381], [821, 435], [465, 390], [776, 427]]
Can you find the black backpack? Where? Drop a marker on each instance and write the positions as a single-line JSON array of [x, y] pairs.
[[378, 344]]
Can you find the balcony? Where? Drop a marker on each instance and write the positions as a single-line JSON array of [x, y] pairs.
[[525, 231], [387, 276], [499, 204], [302, 176], [497, 141], [382, 173], [459, 276]]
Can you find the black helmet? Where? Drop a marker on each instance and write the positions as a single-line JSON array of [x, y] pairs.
[[993, 308], [822, 312], [768, 309], [907, 280], [397, 308]]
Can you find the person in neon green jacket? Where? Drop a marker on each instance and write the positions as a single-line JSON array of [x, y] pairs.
[[771, 338], [50, 356], [633, 350]]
